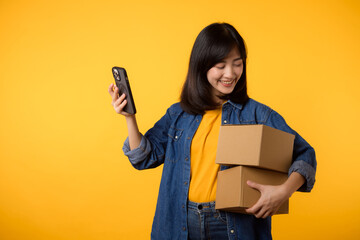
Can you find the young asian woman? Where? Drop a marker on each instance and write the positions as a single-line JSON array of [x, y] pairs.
[[184, 140]]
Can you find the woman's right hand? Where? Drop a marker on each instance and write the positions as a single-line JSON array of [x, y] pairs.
[[118, 102]]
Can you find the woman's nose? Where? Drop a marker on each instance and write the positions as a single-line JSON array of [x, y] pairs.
[[229, 72]]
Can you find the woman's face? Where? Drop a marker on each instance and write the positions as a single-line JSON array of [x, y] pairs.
[[224, 75]]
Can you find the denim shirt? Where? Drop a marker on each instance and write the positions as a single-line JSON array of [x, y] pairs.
[[169, 142]]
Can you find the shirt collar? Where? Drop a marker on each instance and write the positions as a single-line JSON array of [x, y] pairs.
[[237, 105]]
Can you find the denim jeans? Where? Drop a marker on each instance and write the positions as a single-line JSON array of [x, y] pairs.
[[204, 222]]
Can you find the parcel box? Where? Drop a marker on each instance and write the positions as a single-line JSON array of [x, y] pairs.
[[234, 195], [255, 145]]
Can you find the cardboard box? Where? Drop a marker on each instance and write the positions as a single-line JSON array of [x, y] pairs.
[[255, 145], [234, 195]]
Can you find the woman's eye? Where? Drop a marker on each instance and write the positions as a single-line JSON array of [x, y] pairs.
[[220, 66]]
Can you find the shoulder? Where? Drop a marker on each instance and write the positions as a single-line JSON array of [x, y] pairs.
[[175, 108], [264, 114], [254, 111], [177, 118], [253, 104], [175, 112], [259, 110]]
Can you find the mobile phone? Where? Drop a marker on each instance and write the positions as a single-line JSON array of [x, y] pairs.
[[122, 83]]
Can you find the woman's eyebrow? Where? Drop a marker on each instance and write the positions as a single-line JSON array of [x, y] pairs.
[[236, 59]]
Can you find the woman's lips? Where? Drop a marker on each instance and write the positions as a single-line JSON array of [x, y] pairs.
[[227, 83]]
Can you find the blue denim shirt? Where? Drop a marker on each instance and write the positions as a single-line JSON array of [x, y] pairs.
[[169, 142]]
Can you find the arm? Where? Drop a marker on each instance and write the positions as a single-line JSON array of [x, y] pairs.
[[304, 160], [119, 102], [144, 151], [136, 147], [133, 131], [151, 150], [301, 173]]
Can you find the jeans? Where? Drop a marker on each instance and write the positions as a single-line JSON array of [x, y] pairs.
[[204, 222]]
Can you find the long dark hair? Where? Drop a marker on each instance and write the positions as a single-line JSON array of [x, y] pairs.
[[211, 46]]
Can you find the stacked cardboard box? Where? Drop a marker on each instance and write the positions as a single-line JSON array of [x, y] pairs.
[[261, 154]]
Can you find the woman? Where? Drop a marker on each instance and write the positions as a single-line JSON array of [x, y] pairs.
[[185, 139]]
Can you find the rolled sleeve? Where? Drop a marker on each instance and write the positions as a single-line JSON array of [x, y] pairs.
[[307, 171], [138, 154], [304, 159]]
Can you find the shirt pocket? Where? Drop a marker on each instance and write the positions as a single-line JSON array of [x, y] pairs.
[[174, 144]]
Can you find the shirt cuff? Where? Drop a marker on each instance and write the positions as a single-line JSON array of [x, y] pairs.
[[307, 171], [137, 154]]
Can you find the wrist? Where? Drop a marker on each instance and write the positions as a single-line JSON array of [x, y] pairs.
[[293, 183], [131, 120], [287, 190]]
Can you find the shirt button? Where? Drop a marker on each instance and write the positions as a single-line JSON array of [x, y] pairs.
[[183, 206], [188, 138], [185, 183], [176, 137], [184, 228], [186, 159], [232, 231], [225, 121]]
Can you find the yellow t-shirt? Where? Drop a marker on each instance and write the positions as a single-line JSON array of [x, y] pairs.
[[204, 170]]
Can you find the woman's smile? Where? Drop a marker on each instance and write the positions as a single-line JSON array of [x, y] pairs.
[[227, 83], [224, 75]]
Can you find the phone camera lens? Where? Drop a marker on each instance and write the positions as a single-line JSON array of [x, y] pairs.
[[116, 74]]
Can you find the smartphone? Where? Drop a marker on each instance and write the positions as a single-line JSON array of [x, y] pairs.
[[122, 83]]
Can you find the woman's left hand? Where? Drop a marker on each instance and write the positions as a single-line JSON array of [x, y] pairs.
[[270, 200]]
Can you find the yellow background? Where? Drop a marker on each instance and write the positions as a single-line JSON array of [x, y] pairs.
[[62, 171]]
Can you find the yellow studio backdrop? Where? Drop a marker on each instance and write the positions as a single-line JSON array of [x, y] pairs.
[[62, 171]]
